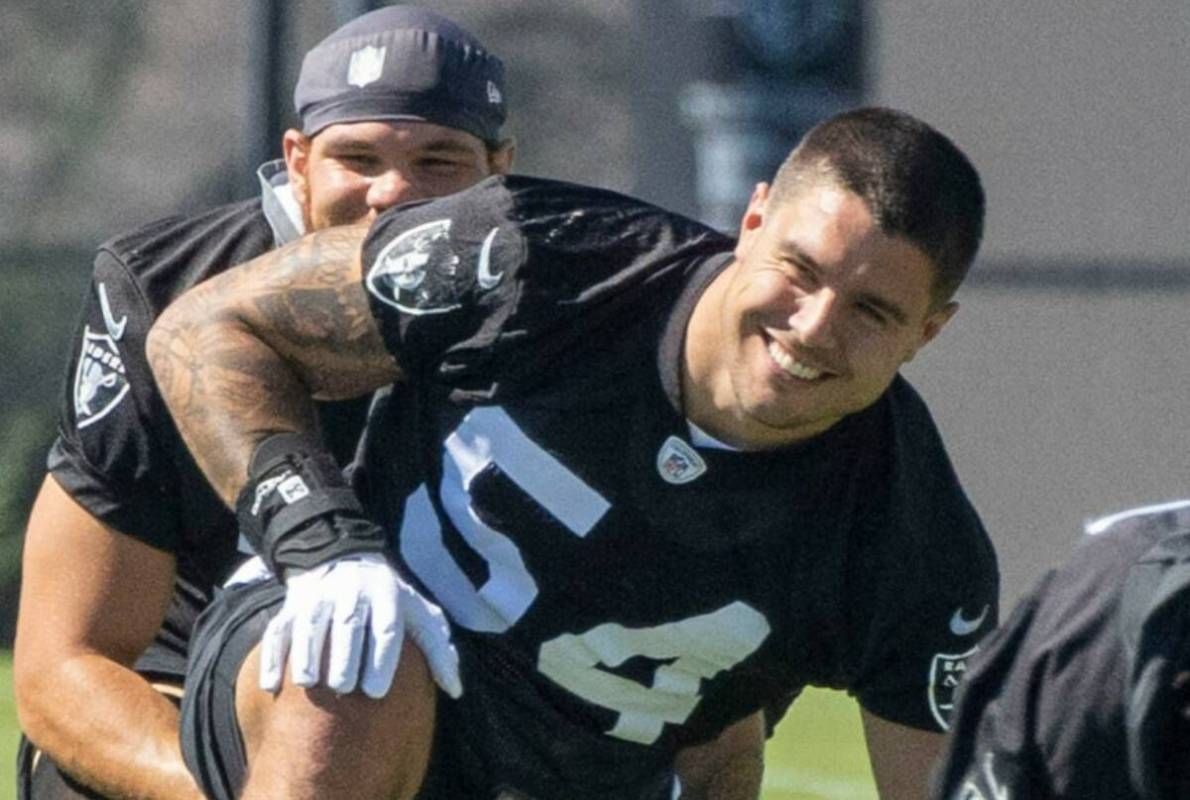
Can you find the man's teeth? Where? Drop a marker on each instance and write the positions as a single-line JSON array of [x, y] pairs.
[[787, 363]]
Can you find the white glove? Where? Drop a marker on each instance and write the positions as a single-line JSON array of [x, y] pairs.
[[366, 608]]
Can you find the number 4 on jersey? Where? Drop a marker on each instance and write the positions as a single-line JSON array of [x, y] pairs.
[[700, 648], [688, 651]]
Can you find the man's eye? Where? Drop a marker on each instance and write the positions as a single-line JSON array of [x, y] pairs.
[[873, 314], [800, 275], [441, 165], [358, 159]]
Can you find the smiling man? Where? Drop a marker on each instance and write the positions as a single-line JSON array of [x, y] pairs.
[[658, 480], [865, 307]]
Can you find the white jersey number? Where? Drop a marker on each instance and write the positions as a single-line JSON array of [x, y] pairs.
[[693, 649], [489, 436], [701, 647]]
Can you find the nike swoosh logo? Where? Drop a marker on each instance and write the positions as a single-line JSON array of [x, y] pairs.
[[114, 329], [484, 274], [961, 626]]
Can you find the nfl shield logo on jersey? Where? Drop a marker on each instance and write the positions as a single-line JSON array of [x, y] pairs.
[[366, 66], [678, 462], [418, 272], [946, 670], [100, 382]]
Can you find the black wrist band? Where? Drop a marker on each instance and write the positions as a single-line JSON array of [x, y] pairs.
[[297, 510]]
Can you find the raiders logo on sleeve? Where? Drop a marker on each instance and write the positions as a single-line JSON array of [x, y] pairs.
[[421, 271], [418, 271], [100, 381]]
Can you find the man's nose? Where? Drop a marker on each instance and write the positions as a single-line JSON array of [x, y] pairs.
[[814, 319], [390, 188]]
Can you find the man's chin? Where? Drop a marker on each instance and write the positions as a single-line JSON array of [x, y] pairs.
[[778, 424]]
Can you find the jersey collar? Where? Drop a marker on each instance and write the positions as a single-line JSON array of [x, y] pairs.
[[280, 206], [670, 352]]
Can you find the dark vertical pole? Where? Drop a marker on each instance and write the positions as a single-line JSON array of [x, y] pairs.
[[773, 69], [266, 101], [347, 10], [666, 56]]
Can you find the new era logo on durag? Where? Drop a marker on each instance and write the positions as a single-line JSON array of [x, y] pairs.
[[366, 66]]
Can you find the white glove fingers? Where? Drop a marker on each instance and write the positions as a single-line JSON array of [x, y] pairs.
[[386, 637], [429, 627], [309, 637], [347, 643], [274, 647]]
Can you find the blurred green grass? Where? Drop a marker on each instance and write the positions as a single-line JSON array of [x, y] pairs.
[[817, 752], [9, 732]]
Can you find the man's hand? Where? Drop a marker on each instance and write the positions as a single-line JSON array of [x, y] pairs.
[[364, 607]]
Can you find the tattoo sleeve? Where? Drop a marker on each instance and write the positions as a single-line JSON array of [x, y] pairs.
[[244, 354]]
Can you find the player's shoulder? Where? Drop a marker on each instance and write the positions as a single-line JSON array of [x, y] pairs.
[[922, 502], [1155, 534], [1154, 520], [521, 253], [913, 449], [1137, 544], [523, 222], [526, 199], [168, 255], [909, 412]]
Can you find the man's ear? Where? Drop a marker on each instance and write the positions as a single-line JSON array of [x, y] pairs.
[[934, 323], [753, 220], [500, 160], [295, 146]]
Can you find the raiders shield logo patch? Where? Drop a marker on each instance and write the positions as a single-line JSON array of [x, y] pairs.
[[418, 272], [100, 382], [946, 671]]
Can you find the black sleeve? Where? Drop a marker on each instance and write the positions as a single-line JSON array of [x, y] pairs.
[[519, 265], [111, 454], [990, 749], [936, 582], [438, 277], [1043, 712], [917, 665]]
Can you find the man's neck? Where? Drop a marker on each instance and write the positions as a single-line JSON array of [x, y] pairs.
[[706, 382]]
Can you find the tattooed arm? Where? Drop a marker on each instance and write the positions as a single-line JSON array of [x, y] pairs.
[[239, 360], [243, 355]]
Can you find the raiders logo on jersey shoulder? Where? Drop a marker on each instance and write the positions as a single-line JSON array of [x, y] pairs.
[[100, 381], [946, 670], [418, 271]]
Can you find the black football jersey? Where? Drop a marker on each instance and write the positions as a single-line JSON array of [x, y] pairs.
[[118, 453], [603, 562], [1043, 713]]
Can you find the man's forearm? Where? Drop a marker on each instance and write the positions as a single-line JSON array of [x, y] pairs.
[[737, 779], [729, 768], [123, 741], [226, 391], [240, 356], [91, 602]]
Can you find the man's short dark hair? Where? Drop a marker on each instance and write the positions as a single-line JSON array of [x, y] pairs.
[[915, 181]]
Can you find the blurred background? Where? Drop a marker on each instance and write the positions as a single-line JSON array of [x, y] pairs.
[[1060, 387]]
